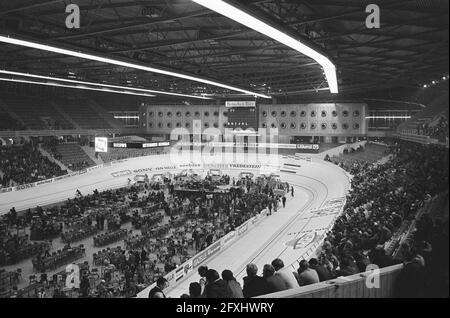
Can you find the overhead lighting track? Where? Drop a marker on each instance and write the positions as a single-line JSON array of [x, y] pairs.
[[104, 90], [50, 48], [128, 88], [242, 17]]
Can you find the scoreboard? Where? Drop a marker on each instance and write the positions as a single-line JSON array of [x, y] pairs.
[[242, 115]]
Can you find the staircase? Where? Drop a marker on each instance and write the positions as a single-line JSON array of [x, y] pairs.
[[73, 155], [91, 153], [64, 115], [53, 159], [105, 115], [12, 114]]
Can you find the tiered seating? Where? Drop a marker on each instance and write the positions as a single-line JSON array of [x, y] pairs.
[[73, 156], [426, 121], [58, 258], [9, 123], [78, 235], [36, 113], [120, 153], [370, 154], [83, 114], [25, 164], [110, 237]]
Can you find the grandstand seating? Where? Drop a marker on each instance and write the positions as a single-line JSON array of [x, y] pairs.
[[430, 115], [121, 153], [73, 156], [371, 154], [36, 113], [9, 123], [83, 114]]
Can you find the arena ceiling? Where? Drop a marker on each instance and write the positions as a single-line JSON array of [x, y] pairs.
[[409, 49]]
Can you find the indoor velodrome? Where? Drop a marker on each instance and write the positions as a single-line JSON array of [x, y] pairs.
[[240, 151]]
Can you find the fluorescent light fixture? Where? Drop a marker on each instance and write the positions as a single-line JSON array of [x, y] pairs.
[[388, 117], [105, 90], [99, 84], [250, 21], [92, 57]]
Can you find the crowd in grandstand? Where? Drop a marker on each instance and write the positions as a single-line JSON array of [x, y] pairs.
[[21, 164], [382, 197], [187, 214], [437, 129]]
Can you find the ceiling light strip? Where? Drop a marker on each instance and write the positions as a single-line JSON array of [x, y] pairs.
[[104, 90], [99, 84], [254, 23], [49, 48]]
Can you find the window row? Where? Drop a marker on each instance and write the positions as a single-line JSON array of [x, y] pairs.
[[179, 125], [180, 114], [313, 113], [313, 126]]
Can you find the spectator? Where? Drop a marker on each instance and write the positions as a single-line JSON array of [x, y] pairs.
[[234, 289], [254, 285], [306, 275], [215, 287], [285, 274], [274, 282], [322, 271], [195, 290], [158, 290]]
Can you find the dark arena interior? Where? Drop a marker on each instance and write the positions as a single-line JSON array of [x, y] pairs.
[[224, 149]]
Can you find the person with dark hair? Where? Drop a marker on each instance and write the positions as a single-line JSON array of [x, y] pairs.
[[288, 277], [254, 285], [306, 275], [158, 290], [274, 282], [234, 289], [322, 271], [202, 273], [195, 290], [215, 286]]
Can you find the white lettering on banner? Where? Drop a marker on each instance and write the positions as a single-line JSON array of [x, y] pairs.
[[6, 190], [121, 173], [228, 238], [248, 103], [119, 145], [213, 248], [25, 186], [150, 145], [95, 168], [308, 147], [166, 168], [44, 181], [199, 259], [245, 166], [142, 170], [164, 143], [242, 228]]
